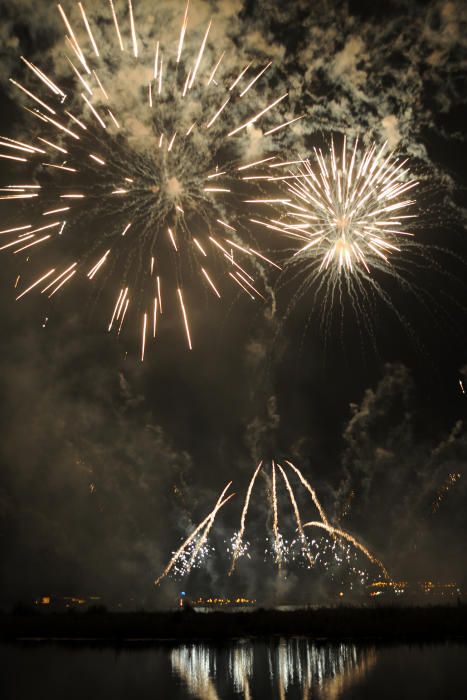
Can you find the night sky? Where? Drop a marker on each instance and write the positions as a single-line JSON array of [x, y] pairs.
[[106, 463]]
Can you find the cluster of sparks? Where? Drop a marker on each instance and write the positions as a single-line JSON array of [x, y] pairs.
[[163, 207], [346, 211], [338, 542], [449, 482]]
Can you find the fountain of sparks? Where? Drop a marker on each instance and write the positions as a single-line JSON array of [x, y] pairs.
[[336, 545]]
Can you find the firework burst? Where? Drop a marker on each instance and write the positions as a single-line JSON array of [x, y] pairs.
[[131, 168], [346, 212]]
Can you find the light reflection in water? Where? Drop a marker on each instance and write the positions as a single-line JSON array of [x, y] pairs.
[[314, 670]]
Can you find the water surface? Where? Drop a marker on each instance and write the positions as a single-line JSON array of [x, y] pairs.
[[278, 668]]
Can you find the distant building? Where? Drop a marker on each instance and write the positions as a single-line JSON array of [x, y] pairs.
[[53, 602], [408, 591]]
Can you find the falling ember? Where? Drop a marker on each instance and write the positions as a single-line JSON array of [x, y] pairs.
[[92, 157]]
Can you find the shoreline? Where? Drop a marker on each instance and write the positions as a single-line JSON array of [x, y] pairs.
[[327, 625]]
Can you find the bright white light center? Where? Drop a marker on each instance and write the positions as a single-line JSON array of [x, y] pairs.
[[174, 188]]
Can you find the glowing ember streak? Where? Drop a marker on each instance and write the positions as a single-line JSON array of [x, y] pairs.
[[347, 536], [183, 32], [256, 162], [53, 145], [275, 524], [57, 279], [94, 111], [207, 530], [88, 29], [282, 126], [30, 245], [74, 40], [32, 96], [35, 284], [97, 159], [76, 120], [185, 319], [154, 326], [259, 115], [143, 343], [298, 520], [172, 238], [117, 28], [14, 230], [92, 273], [250, 85], [220, 503], [6, 157], [200, 56], [311, 491], [133, 30], [213, 286], [49, 83], [218, 113], [62, 283], [214, 71]]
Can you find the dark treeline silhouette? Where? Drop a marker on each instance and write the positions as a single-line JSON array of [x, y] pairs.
[[434, 623]]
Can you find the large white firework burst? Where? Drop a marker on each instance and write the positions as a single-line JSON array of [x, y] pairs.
[[347, 213], [131, 172]]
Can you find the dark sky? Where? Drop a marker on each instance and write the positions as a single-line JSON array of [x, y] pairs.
[[106, 462]]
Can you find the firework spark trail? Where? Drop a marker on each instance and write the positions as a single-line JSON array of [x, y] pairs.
[[219, 504], [310, 490], [160, 188], [275, 525], [298, 519], [210, 523], [239, 539], [347, 536]]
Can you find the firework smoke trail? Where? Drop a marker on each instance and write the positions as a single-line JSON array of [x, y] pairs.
[[210, 518], [310, 490], [347, 218], [347, 536], [239, 538], [155, 185], [298, 520]]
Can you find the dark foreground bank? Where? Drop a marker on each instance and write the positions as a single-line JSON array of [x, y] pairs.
[[437, 623]]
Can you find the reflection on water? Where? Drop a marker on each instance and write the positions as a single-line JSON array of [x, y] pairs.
[[324, 671], [276, 669]]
